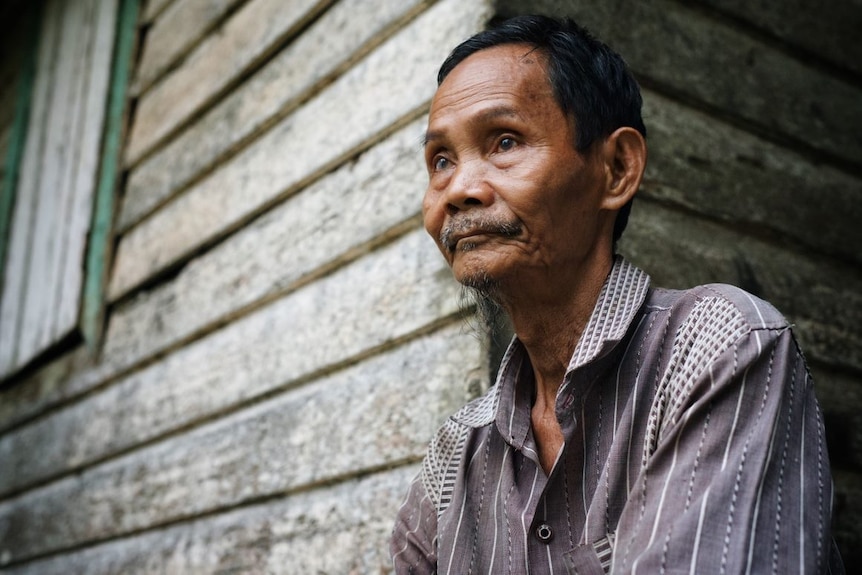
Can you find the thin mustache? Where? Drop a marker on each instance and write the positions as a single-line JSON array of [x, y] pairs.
[[476, 226]]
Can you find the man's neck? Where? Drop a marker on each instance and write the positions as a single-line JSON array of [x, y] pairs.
[[551, 327]]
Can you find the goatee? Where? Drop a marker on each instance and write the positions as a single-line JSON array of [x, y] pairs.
[[479, 293]]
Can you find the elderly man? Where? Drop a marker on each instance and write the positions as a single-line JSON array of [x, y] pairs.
[[631, 429]]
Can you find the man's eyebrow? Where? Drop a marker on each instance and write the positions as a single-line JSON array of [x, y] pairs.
[[481, 117]]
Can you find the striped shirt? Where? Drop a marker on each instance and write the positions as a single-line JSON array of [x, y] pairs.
[[693, 444]]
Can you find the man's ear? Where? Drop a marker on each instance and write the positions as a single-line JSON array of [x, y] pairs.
[[624, 153]]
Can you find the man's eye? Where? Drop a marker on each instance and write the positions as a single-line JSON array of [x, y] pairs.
[[440, 163], [507, 144]]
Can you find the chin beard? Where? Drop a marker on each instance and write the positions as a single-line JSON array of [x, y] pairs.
[[481, 293]]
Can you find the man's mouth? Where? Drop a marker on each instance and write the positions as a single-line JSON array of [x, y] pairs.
[[458, 231]]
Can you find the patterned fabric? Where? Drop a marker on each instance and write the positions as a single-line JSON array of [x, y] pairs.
[[693, 444]]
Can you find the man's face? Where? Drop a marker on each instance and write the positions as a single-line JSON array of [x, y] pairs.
[[508, 198]]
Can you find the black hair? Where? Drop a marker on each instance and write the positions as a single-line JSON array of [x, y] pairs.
[[591, 83]]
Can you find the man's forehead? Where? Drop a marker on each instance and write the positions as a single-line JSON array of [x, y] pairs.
[[492, 83]]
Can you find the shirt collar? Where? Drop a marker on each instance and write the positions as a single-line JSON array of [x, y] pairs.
[[622, 295]]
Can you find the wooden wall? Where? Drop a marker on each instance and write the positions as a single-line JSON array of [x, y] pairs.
[[282, 339]]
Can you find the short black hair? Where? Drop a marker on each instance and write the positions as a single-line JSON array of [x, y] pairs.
[[591, 83]]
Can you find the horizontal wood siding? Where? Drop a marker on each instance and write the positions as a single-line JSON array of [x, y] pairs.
[[338, 38], [274, 364]]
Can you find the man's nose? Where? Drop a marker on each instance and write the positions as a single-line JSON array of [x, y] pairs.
[[469, 187]]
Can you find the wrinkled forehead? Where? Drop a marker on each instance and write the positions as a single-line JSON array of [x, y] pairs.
[[515, 72]]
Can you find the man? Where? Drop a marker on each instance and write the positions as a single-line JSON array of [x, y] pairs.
[[631, 429]]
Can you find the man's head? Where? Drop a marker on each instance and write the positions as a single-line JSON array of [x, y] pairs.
[[534, 146]]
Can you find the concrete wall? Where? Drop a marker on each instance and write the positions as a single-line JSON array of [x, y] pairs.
[[282, 338]]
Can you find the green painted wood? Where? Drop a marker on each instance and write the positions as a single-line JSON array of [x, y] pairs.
[[18, 137], [99, 247]]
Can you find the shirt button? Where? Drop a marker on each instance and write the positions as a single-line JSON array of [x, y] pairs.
[[544, 533]]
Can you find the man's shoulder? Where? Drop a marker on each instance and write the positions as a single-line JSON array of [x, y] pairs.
[[716, 304]]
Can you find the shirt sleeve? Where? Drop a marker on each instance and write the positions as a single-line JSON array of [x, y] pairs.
[[413, 545], [735, 478]]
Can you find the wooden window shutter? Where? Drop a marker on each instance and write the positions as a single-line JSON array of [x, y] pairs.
[[44, 268]]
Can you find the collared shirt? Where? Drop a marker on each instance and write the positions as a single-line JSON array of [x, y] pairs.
[[693, 443]]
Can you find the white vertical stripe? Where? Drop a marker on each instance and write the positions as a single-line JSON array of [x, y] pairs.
[[756, 308], [739, 405], [457, 530], [762, 482], [633, 401], [418, 519], [668, 476], [524, 523], [584, 475], [497, 505], [461, 513], [693, 568], [802, 492]]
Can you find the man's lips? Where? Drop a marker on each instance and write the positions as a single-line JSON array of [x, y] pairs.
[[454, 240], [454, 233]]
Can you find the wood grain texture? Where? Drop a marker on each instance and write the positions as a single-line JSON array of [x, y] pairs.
[[391, 293], [721, 172], [182, 24], [338, 37], [329, 220], [215, 63], [362, 418], [827, 29], [338, 529], [152, 9], [379, 91]]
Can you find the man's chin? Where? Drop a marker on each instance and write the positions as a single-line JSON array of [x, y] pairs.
[[480, 281]]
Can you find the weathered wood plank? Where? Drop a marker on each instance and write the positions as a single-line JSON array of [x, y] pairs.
[[216, 62], [177, 29], [709, 60], [828, 29], [343, 33], [340, 529], [153, 9], [725, 173], [354, 108], [391, 293], [305, 233], [44, 388], [361, 418], [823, 300], [18, 256]]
